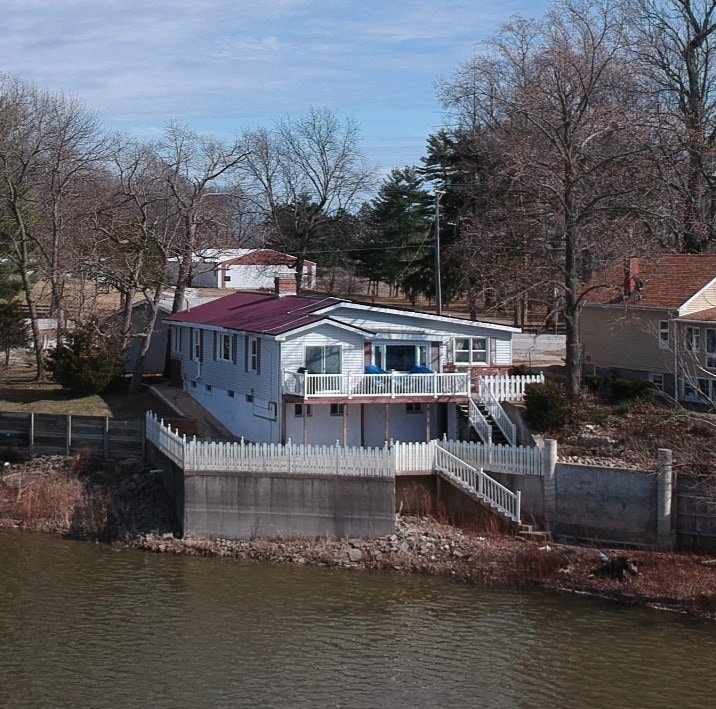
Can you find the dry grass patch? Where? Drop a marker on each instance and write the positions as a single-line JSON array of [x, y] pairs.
[[19, 392]]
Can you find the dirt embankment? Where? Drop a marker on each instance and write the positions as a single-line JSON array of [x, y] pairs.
[[127, 505]]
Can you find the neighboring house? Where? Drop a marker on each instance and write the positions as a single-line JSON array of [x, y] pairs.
[[654, 319], [245, 269], [318, 370]]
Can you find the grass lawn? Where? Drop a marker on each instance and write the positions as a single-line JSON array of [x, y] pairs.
[[18, 392]]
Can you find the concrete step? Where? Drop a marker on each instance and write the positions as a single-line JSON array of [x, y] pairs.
[[533, 535]]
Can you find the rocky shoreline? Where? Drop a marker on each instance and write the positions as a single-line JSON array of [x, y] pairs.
[[127, 506]]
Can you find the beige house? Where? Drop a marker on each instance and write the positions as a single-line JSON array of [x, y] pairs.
[[654, 318]]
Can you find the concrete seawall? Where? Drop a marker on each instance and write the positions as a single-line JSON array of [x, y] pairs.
[[246, 505]]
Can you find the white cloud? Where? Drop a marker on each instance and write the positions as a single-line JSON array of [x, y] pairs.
[[141, 61]]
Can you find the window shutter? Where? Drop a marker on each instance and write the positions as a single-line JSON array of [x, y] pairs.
[[216, 346], [247, 342], [201, 345], [234, 348], [191, 343], [258, 356]]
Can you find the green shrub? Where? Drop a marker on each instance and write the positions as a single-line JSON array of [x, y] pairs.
[[630, 390], [594, 382], [88, 362], [547, 406]]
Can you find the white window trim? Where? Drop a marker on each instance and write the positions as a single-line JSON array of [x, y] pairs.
[[664, 329], [422, 352], [196, 345], [654, 377], [324, 345], [693, 339], [710, 354], [177, 339], [221, 339], [471, 362]]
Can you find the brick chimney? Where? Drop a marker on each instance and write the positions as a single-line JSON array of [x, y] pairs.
[[631, 277], [285, 284]]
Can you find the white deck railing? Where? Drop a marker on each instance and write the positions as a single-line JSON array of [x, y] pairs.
[[314, 386], [509, 387], [478, 483]]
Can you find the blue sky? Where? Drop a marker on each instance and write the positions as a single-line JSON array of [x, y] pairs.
[[222, 66]]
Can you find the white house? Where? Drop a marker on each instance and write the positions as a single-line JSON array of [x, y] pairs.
[[314, 369], [246, 269]]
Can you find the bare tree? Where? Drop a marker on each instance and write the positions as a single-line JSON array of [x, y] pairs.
[[674, 44], [138, 223], [555, 95], [302, 174], [198, 170]]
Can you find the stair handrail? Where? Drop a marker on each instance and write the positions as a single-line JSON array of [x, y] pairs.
[[479, 422], [498, 414], [480, 483]]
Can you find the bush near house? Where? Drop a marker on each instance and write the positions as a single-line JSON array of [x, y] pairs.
[[547, 406], [88, 362]]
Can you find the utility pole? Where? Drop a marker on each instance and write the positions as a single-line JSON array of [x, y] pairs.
[[438, 280]]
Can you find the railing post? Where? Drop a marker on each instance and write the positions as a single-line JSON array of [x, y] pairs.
[[664, 532], [549, 482], [518, 504]]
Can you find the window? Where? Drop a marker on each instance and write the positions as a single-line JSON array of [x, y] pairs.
[[208, 388], [413, 408], [323, 359], [657, 379], [337, 409], [227, 279], [400, 358], [193, 384], [711, 348], [223, 348], [697, 390], [177, 332], [299, 409], [230, 393], [693, 339], [664, 334], [471, 350], [252, 355], [196, 345]]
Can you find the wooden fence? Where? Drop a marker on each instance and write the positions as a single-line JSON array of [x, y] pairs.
[[53, 434]]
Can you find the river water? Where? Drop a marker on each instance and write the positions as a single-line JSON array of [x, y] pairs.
[[83, 625]]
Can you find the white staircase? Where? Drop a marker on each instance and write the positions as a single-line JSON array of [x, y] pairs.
[[475, 483]]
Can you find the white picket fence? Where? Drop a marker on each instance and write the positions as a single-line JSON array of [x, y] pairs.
[[509, 387], [194, 455], [496, 458], [518, 460]]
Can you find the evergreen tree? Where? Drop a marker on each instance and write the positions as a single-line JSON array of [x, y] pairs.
[[399, 232], [13, 330], [89, 360]]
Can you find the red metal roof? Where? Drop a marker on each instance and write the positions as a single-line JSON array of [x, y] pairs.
[[260, 313]]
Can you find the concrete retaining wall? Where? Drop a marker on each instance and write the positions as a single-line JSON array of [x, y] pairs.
[[245, 505], [609, 504]]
